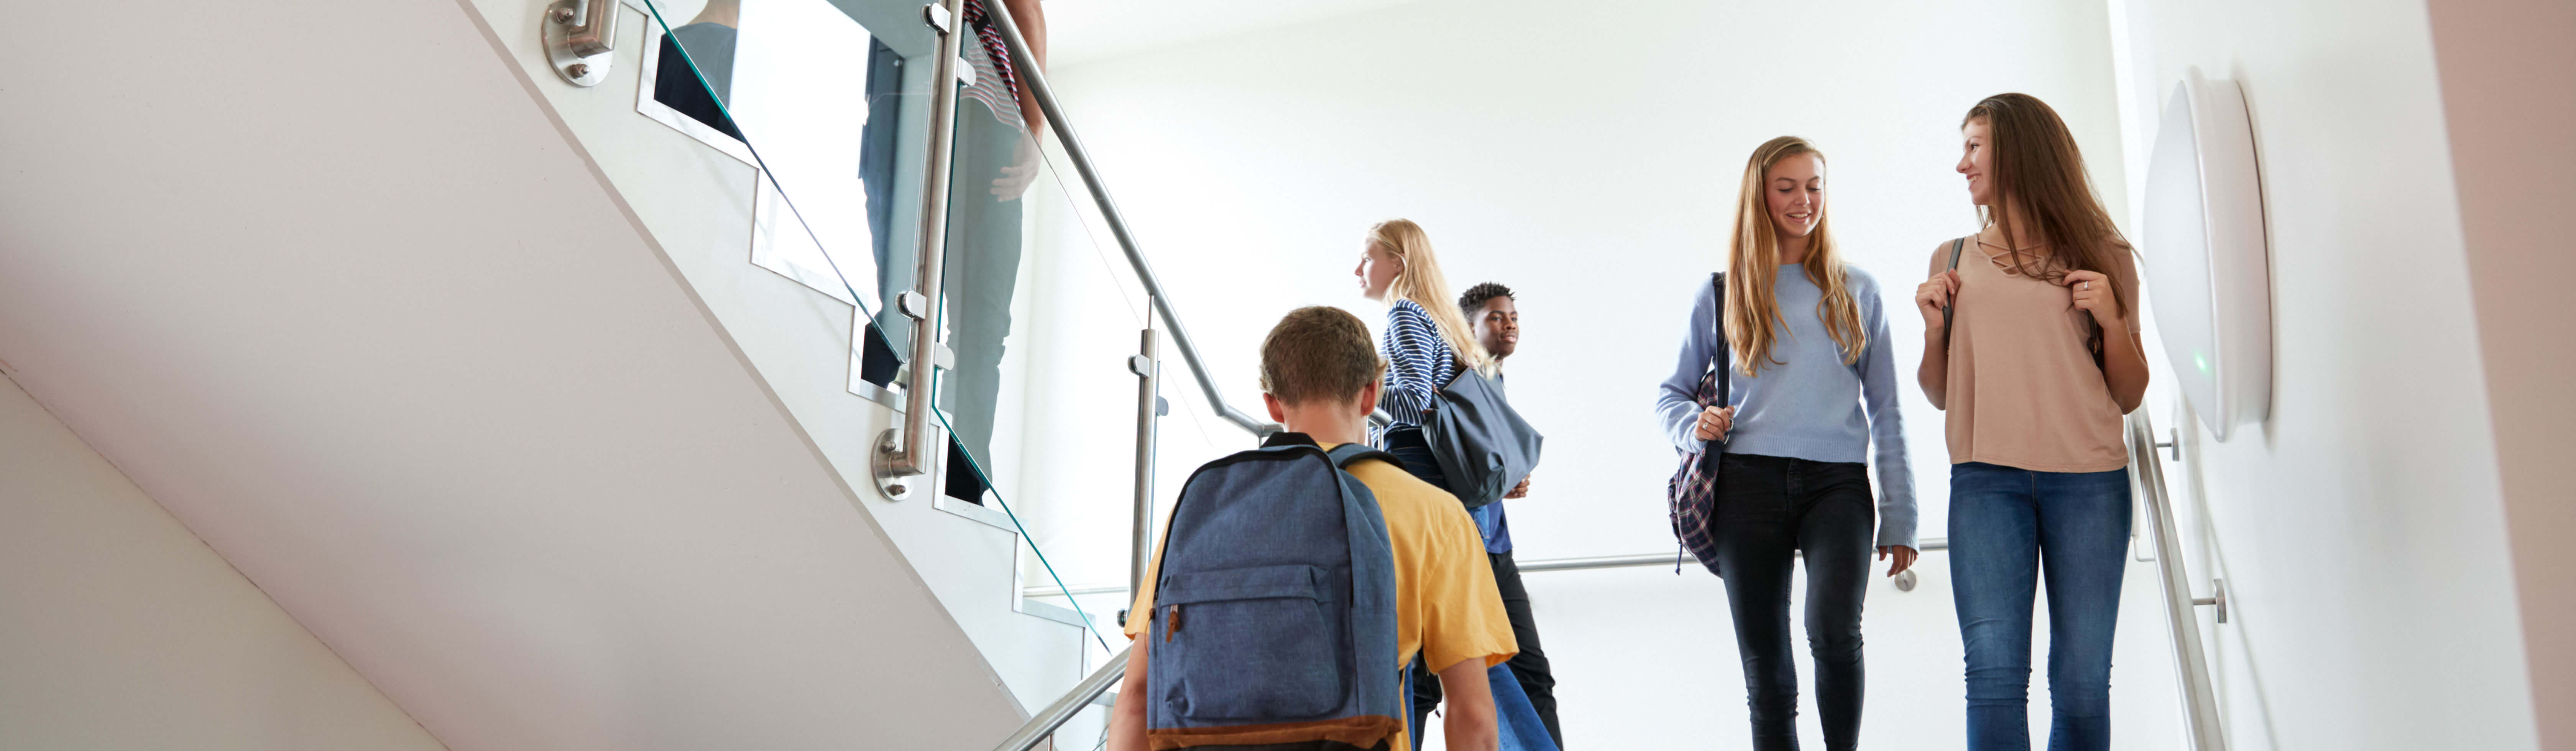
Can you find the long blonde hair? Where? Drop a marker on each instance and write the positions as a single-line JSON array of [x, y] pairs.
[[1418, 278], [1752, 311]]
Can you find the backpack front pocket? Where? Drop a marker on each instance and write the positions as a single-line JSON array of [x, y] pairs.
[[1264, 642]]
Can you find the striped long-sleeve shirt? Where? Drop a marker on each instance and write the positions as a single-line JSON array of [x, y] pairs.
[[1418, 362], [997, 84]]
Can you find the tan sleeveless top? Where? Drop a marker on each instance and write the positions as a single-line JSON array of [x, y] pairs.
[[2023, 389]]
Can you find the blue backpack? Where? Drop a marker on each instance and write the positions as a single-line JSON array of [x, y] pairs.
[[1274, 614]]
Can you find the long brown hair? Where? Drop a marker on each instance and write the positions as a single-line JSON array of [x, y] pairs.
[[1418, 278], [2040, 173], [1752, 310]]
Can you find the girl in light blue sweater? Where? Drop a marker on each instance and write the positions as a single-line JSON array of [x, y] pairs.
[[1814, 387]]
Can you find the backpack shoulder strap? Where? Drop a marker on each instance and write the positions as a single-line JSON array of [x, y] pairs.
[[1721, 361], [1345, 455], [1271, 452], [1274, 452], [1955, 247]]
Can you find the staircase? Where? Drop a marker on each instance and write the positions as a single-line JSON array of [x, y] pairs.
[[417, 339]]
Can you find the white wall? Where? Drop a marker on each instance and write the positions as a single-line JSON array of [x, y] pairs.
[[2517, 171], [395, 347], [1586, 156], [695, 202], [120, 630], [2361, 529]]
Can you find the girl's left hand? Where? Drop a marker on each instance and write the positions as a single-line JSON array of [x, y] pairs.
[[2092, 294], [1022, 172], [1904, 558]]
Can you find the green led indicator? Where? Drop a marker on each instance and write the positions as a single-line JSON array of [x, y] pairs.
[[2201, 360]]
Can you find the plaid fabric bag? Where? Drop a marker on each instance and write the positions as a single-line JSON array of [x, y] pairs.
[[1691, 496]]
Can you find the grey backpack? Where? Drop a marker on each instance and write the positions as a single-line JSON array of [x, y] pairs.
[[1274, 607]]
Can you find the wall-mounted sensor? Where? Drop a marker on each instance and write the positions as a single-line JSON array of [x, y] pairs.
[[2207, 262]]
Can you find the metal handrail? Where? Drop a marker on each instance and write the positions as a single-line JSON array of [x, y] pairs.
[[2200, 703], [1927, 545], [2199, 694], [2182, 619], [1054, 716], [1026, 67], [2191, 661], [1592, 563]]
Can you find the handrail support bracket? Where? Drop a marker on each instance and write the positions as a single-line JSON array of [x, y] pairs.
[[578, 36], [2217, 597]]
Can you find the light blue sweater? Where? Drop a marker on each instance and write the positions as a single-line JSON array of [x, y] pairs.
[[1807, 404]]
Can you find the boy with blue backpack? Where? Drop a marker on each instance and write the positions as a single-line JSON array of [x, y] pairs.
[[1296, 581]]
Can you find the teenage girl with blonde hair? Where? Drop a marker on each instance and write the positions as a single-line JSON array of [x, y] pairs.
[[2031, 345], [1427, 342], [1814, 387], [1427, 339]]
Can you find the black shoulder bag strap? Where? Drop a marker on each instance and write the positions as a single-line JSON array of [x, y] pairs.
[[1724, 359], [1719, 363], [1953, 299]]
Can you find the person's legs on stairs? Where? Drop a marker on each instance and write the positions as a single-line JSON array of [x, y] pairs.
[[2084, 547], [1994, 571], [1530, 667], [980, 274], [1755, 549], [1835, 533]]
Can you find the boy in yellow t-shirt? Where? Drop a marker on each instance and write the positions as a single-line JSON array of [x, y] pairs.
[[1320, 376]]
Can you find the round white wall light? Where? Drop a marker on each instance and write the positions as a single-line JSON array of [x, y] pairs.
[[2206, 257]]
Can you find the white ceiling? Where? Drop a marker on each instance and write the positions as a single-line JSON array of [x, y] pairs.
[[1085, 30], [336, 291]]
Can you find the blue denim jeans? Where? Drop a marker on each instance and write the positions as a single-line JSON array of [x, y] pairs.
[[2007, 526], [983, 269]]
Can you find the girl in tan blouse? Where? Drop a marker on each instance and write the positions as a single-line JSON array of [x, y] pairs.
[[2031, 347]]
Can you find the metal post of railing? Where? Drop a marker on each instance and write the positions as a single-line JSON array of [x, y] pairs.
[[2182, 617], [1148, 371], [908, 452], [1045, 722], [1025, 65]]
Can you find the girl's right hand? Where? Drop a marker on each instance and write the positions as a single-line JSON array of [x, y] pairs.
[[1714, 422], [1933, 295]]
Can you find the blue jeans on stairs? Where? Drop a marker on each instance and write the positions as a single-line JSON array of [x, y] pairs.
[[2008, 526]]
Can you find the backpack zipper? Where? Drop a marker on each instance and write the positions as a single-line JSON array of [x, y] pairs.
[[1173, 625]]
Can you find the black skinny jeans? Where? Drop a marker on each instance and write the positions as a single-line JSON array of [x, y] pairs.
[[1768, 509]]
